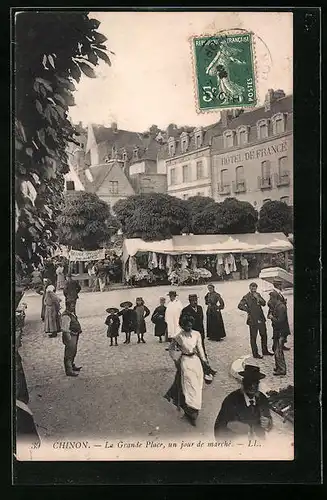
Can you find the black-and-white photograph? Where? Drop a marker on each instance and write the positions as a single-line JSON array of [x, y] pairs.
[[154, 235]]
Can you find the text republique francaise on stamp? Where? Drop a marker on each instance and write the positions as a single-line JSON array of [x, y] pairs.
[[224, 71]]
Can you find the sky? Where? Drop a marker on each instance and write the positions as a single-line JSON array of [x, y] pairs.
[[151, 77]]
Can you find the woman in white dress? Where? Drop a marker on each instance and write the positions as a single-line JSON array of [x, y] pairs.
[[186, 391]]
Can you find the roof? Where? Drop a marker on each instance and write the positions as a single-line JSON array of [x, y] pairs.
[[210, 244], [250, 118], [99, 174]]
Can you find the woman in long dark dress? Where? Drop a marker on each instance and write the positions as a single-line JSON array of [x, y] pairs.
[[215, 323], [158, 318]]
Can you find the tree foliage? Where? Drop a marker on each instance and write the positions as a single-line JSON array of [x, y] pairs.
[[229, 217], [195, 206], [52, 50], [152, 216], [275, 216], [85, 222]]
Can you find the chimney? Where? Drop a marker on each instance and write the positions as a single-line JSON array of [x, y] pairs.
[[279, 94], [224, 117], [114, 127], [269, 99]]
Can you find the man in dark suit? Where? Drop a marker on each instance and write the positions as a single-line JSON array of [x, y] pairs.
[[278, 287], [245, 412], [71, 291], [278, 315], [252, 304], [196, 311]]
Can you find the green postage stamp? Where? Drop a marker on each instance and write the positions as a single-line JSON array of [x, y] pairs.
[[225, 72]]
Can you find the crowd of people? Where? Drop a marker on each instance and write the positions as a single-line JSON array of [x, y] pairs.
[[184, 331]]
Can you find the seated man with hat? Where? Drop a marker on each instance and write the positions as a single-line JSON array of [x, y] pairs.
[[245, 412]]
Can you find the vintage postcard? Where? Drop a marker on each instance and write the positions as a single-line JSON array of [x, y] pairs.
[[154, 236]]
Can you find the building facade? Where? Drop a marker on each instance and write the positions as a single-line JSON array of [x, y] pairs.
[[252, 160], [187, 160]]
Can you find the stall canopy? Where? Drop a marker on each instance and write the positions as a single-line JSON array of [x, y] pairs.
[[210, 244]]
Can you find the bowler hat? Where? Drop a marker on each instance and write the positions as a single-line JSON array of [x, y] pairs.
[[112, 310], [252, 372], [274, 295], [192, 296], [172, 292], [126, 303]]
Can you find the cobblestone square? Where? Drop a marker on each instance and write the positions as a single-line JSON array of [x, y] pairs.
[[119, 391]]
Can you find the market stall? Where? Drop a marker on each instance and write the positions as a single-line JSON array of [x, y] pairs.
[[198, 257]]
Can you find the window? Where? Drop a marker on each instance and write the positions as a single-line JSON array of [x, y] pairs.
[[186, 173], [199, 170], [171, 146], [265, 170], [228, 139], [224, 177], [285, 199], [70, 185], [278, 122], [198, 134], [113, 187], [262, 129], [124, 156], [240, 175], [243, 135], [136, 153], [173, 176], [282, 166], [266, 200], [183, 145]]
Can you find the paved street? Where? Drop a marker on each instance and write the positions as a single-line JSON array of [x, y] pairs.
[[119, 391]]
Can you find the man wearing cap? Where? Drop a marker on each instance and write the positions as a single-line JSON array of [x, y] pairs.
[[173, 312], [196, 311], [252, 304], [278, 316], [245, 412], [278, 286], [71, 291], [71, 330]]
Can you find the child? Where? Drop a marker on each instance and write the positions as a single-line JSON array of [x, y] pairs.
[[141, 312], [113, 323], [158, 318], [129, 320]]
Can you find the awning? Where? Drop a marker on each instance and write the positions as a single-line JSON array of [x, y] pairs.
[[210, 244]]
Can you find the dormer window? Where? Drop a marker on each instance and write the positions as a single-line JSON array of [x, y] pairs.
[[136, 153], [171, 146], [228, 138], [262, 129], [198, 135], [124, 156], [184, 142], [242, 135], [278, 123]]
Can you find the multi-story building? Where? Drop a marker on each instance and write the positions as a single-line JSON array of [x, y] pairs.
[[252, 159], [115, 163], [187, 160]]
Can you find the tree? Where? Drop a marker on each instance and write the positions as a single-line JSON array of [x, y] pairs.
[[275, 216], [152, 216], [52, 50], [229, 217], [196, 205], [85, 222]]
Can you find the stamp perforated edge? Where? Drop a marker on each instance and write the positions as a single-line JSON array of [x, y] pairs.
[[230, 31]]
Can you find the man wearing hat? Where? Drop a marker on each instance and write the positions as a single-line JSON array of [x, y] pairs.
[[245, 412], [279, 321], [278, 287], [196, 311], [173, 312], [252, 304], [71, 330]]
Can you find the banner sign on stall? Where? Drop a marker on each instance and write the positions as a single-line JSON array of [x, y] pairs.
[[84, 255]]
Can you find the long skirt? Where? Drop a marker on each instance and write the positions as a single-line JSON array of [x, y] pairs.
[[215, 325], [186, 391], [51, 320]]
